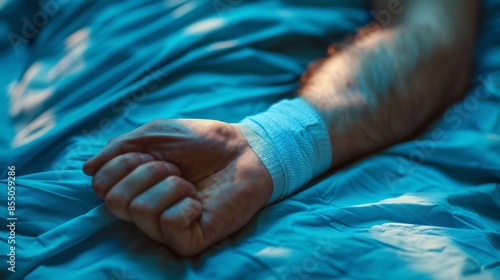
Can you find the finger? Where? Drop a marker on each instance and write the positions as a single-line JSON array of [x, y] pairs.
[[106, 154], [110, 151], [179, 228], [129, 142], [143, 177], [115, 170], [146, 208]]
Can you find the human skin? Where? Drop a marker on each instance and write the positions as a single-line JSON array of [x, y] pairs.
[[190, 183]]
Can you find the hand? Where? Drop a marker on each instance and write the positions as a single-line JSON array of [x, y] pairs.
[[185, 183]]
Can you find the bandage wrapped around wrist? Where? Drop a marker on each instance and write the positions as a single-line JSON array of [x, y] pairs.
[[292, 141]]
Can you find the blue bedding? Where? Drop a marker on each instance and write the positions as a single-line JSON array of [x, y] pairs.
[[74, 74]]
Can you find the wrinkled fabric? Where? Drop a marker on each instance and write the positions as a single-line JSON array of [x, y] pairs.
[[423, 209]]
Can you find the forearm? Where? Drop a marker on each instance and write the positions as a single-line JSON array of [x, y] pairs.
[[383, 87], [374, 93]]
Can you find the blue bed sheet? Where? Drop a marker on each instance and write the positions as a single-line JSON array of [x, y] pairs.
[[75, 73]]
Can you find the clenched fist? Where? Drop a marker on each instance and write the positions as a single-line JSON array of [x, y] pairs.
[[185, 183]]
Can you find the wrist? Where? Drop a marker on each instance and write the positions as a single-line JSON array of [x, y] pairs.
[[292, 141]]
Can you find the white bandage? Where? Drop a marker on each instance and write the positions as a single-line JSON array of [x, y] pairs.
[[292, 141]]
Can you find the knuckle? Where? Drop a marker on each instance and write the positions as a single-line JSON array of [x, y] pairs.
[[98, 186], [188, 211], [155, 168], [181, 185], [174, 180], [114, 201], [127, 160], [172, 168], [139, 207], [167, 221]]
